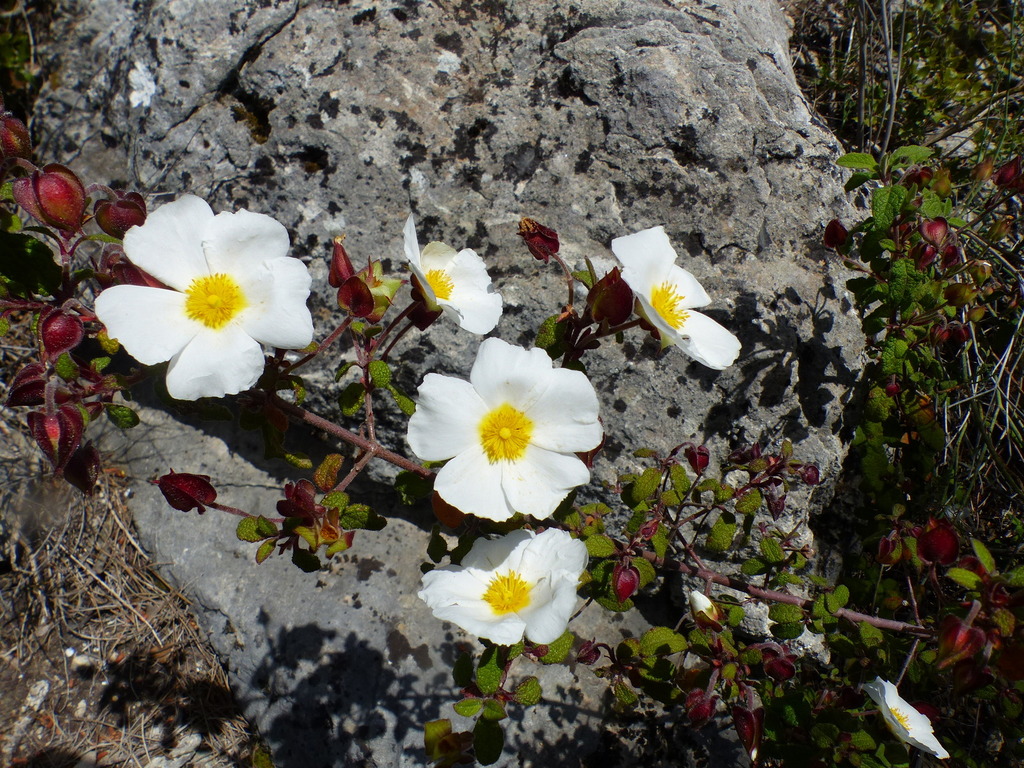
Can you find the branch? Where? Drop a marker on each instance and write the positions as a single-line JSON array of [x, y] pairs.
[[781, 597]]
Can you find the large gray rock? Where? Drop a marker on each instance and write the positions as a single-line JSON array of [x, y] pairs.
[[598, 118]]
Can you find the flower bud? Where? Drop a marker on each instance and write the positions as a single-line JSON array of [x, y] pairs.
[[1008, 173], [589, 653], [53, 195], [890, 549], [958, 641], [625, 581], [542, 241], [835, 235], [934, 231], [942, 185], [976, 314], [950, 257], [611, 299], [983, 170], [186, 491], [83, 468], [14, 138], [810, 475], [115, 217], [58, 434], [980, 272], [700, 707], [960, 294], [999, 229], [938, 543], [354, 297], [893, 388], [778, 663], [28, 386], [60, 332], [704, 611], [698, 456], [750, 728], [923, 255], [341, 266]]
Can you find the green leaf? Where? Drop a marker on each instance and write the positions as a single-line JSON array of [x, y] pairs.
[[405, 403], [528, 692], [551, 337], [248, 530], [646, 570], [585, 276], [859, 160], [749, 502], [600, 546], [1015, 578], [722, 532], [345, 368], [661, 641], [412, 487], [894, 353], [361, 516], [963, 577], [858, 179], [265, 550], [886, 203], [66, 367], [264, 527], [437, 547], [305, 561], [754, 567], [462, 670], [494, 710], [641, 489], [824, 735], [908, 155], [338, 500], [488, 741], [837, 599], [558, 649], [380, 373], [787, 631], [351, 398], [121, 416], [862, 741], [679, 479], [771, 550], [982, 553], [784, 613], [902, 278], [299, 460], [489, 672], [27, 266], [326, 474], [434, 731], [624, 695], [869, 634], [932, 206], [469, 707]]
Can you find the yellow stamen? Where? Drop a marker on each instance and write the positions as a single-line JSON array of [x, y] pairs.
[[666, 300], [214, 300], [901, 718], [505, 433], [440, 283], [508, 593]]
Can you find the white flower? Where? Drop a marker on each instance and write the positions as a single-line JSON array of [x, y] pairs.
[[232, 287], [521, 582], [511, 432], [903, 720], [701, 605], [667, 293], [457, 283]]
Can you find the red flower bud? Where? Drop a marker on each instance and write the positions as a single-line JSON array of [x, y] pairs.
[[83, 468], [958, 641], [810, 475], [185, 491], [647, 530], [355, 298], [934, 231], [938, 543], [698, 456], [28, 386], [625, 581], [950, 257], [779, 664], [890, 549], [14, 138], [542, 241], [53, 195], [700, 707], [341, 266], [835, 235], [57, 434], [1008, 173], [611, 299], [589, 653], [115, 217], [60, 333], [750, 728]]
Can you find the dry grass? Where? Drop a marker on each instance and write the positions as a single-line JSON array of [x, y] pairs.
[[103, 663]]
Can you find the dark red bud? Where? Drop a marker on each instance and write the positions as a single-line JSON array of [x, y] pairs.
[[698, 456], [924, 255], [185, 491], [625, 581], [60, 333], [934, 231], [750, 728], [938, 543], [611, 299], [354, 297], [53, 195], [421, 316], [341, 266], [835, 235], [648, 529], [950, 257], [780, 668], [890, 549], [958, 641], [893, 388], [1011, 661], [589, 653], [58, 434], [14, 138], [776, 505], [1008, 173], [542, 241], [700, 707], [115, 217], [83, 468], [810, 475], [28, 386]]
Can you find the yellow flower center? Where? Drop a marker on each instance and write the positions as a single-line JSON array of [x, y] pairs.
[[214, 300], [505, 433], [440, 283], [901, 718], [508, 593], [666, 300]]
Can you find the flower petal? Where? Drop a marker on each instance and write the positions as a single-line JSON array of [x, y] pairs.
[[277, 314], [471, 484], [551, 551], [536, 484], [149, 322], [564, 416], [647, 254], [169, 246], [237, 242], [504, 373], [705, 341], [215, 363], [412, 245], [552, 602], [686, 286], [447, 418], [500, 553], [475, 304]]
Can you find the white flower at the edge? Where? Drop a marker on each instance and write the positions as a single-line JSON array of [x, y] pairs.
[[904, 721], [511, 432], [668, 293], [231, 288], [457, 283], [701, 605], [520, 583]]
